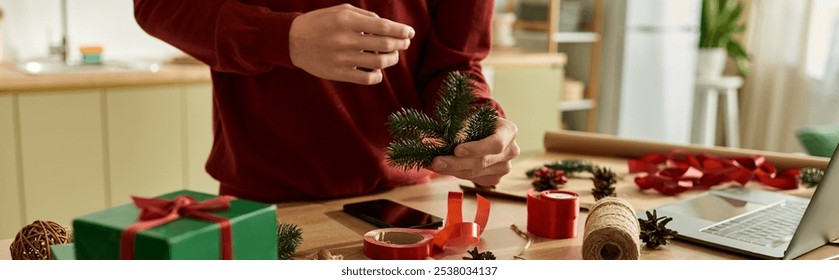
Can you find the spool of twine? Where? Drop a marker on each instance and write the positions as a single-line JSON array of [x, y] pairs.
[[611, 231], [33, 241]]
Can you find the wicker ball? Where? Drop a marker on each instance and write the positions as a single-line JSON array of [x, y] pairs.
[[33, 242]]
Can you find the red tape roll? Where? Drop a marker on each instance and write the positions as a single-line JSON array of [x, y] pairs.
[[553, 213], [398, 244]]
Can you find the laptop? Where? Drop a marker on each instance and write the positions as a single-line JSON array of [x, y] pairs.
[[759, 223]]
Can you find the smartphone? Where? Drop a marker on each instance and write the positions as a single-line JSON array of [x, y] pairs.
[[387, 213]]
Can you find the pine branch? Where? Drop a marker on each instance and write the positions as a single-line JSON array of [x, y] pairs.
[[453, 108], [419, 138], [481, 124], [289, 237], [410, 123], [412, 153]]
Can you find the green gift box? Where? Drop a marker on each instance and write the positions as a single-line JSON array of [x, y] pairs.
[[62, 252], [253, 225]]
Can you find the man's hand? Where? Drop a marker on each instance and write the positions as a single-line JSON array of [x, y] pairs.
[[483, 162], [348, 44]]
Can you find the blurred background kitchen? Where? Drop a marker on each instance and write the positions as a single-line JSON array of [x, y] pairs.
[[92, 109]]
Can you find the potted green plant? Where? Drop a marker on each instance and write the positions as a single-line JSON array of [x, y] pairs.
[[717, 27]]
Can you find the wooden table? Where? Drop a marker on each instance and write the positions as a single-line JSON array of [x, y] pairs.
[[326, 226]]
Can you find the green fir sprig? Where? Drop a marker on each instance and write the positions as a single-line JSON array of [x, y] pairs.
[[289, 237], [419, 138]]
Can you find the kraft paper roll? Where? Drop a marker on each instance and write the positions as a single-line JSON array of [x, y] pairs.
[[611, 231], [398, 244], [594, 144]]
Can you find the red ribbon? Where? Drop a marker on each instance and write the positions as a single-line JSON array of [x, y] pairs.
[[454, 233], [683, 171], [158, 211], [458, 233]]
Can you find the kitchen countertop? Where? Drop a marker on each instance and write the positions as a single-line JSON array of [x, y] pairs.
[[13, 80]]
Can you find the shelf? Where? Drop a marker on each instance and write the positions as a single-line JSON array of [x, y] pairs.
[[558, 37], [576, 105], [575, 37]]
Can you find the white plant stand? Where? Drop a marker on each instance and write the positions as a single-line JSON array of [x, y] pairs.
[[706, 99]]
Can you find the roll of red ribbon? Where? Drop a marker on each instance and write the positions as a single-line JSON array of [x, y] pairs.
[[553, 213], [398, 244]]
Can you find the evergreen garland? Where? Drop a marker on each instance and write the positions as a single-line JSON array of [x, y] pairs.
[[569, 166], [419, 138], [289, 237]]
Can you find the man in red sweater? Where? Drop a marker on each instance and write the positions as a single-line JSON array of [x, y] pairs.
[[302, 89]]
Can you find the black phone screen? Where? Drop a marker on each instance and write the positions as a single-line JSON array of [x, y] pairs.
[[386, 213]]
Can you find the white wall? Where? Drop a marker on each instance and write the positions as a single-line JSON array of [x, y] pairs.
[[29, 24]]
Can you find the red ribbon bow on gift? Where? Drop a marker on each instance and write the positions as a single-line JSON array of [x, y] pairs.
[[684, 171], [158, 211]]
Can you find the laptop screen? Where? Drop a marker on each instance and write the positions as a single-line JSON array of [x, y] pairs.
[[713, 207]]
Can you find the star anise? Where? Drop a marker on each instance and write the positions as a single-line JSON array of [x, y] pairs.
[[653, 230], [475, 255], [604, 180]]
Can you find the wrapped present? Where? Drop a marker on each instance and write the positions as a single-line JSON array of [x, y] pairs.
[[63, 252], [179, 225]]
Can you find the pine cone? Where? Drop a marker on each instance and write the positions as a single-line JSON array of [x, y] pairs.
[[811, 177], [604, 180], [475, 255], [653, 232]]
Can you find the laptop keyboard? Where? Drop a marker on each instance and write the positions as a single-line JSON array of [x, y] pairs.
[[770, 226]]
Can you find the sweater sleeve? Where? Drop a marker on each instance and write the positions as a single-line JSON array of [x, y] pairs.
[[227, 35], [459, 39]]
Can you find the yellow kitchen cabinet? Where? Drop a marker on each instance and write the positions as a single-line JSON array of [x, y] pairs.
[[528, 87], [66, 153], [198, 137], [145, 147], [62, 154], [11, 214]]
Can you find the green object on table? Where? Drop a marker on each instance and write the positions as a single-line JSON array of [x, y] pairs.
[[63, 252], [819, 140], [254, 227]]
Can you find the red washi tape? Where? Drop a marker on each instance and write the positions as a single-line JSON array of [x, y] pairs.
[[398, 244], [553, 213]]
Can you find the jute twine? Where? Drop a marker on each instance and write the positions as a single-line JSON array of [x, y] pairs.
[[33, 241], [612, 231]]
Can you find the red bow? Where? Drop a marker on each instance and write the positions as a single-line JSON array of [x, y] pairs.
[[158, 211]]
